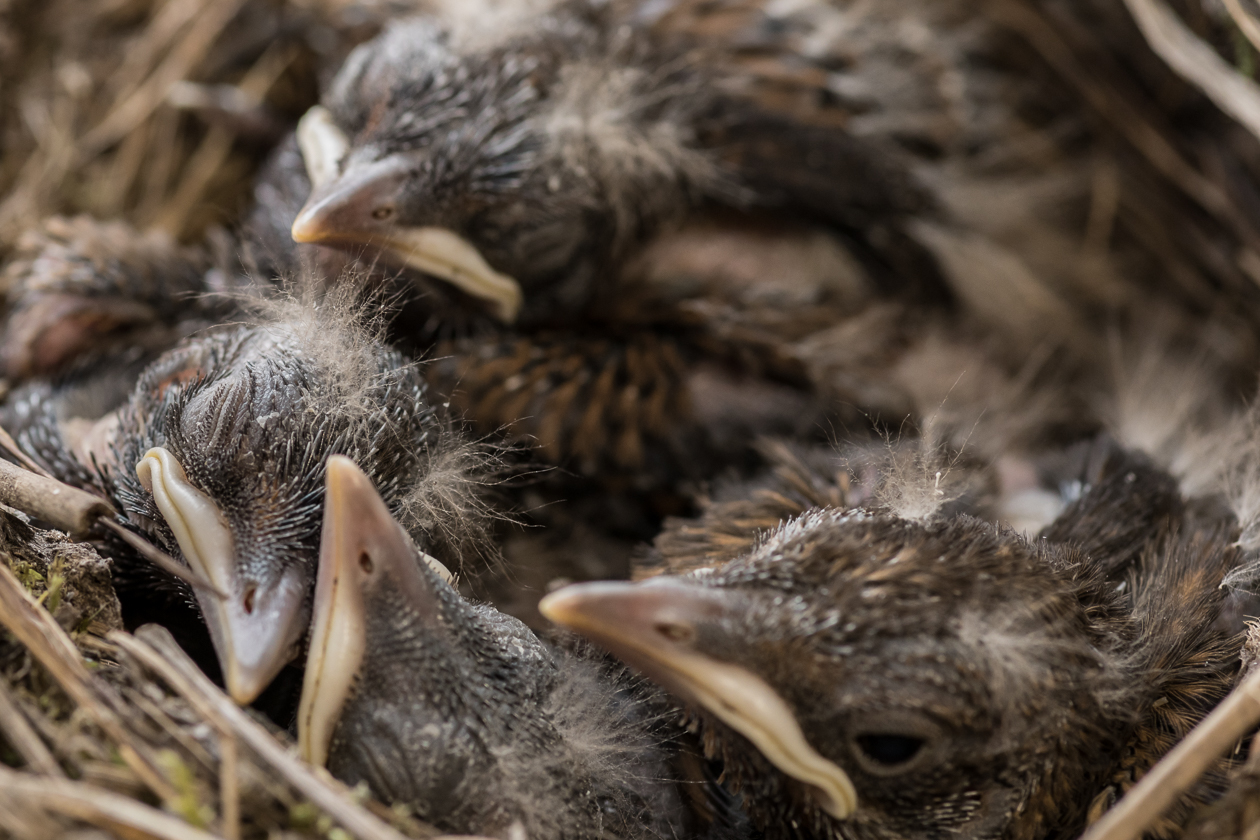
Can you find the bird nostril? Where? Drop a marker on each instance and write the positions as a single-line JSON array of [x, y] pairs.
[[365, 563], [383, 212], [248, 601], [675, 632]]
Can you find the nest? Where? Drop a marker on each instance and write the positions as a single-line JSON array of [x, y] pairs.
[[159, 113]]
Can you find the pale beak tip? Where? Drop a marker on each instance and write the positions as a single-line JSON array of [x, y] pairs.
[[508, 307], [560, 606], [305, 228], [585, 606], [244, 688]]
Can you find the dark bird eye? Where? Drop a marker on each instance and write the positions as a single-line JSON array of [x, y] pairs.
[[675, 632], [383, 212], [888, 750]]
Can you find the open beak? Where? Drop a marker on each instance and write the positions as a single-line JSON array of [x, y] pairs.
[[360, 543], [257, 627], [355, 206], [652, 626]]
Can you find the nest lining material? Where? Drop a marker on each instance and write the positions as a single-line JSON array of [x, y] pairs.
[[159, 112]]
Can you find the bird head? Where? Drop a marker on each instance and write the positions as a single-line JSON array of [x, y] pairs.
[[459, 710], [868, 676], [498, 163], [428, 698], [220, 455]]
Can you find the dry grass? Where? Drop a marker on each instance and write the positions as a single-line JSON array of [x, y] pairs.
[[158, 112], [126, 734], [119, 109], [155, 112]]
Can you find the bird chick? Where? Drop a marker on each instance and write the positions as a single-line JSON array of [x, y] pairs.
[[862, 675], [218, 455], [602, 178], [519, 162], [459, 710], [77, 286]]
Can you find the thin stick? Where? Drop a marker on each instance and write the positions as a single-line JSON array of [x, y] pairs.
[[1126, 119], [36, 630], [7, 441], [64, 507], [213, 17], [229, 788], [1197, 63], [1249, 26], [161, 559], [75, 511], [109, 811], [200, 169], [156, 649], [23, 737], [1177, 771]]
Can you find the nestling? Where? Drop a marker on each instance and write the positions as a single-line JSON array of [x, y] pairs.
[[863, 675], [459, 710], [217, 452], [606, 179]]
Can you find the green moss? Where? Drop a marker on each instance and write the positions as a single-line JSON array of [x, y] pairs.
[[56, 583], [1244, 54], [86, 621], [29, 576], [308, 819], [302, 816], [187, 803]]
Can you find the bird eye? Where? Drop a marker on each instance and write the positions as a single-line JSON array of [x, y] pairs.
[[893, 753], [674, 632], [889, 750], [383, 212]]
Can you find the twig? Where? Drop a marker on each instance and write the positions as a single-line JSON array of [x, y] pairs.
[[229, 788], [11, 446], [181, 60], [154, 648], [1197, 63], [1177, 771], [161, 559], [75, 511], [1247, 24], [97, 807], [64, 507], [36, 630], [1125, 118], [23, 738], [217, 144]]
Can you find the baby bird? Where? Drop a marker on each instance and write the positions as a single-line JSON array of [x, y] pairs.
[[520, 162], [614, 233], [862, 675], [459, 710], [217, 453]]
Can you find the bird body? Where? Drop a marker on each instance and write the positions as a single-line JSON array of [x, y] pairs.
[[612, 230], [939, 677], [460, 711], [218, 452]]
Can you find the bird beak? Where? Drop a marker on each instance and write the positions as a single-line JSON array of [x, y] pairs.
[[322, 144], [356, 206], [652, 626], [255, 629], [360, 542]]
